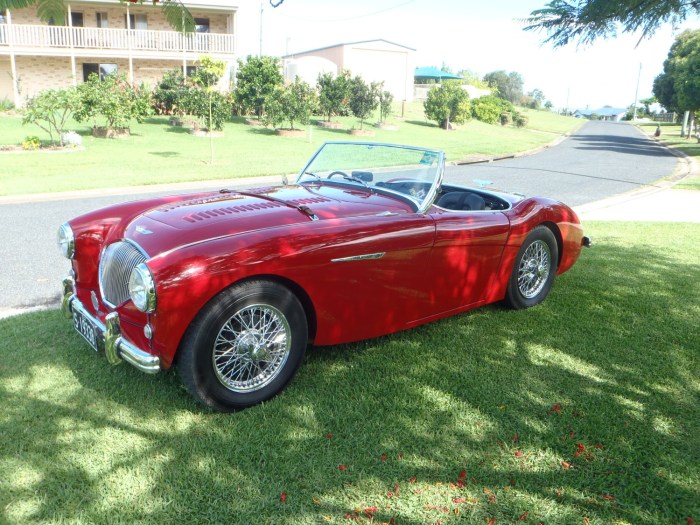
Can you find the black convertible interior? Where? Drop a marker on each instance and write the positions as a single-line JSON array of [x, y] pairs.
[[468, 199]]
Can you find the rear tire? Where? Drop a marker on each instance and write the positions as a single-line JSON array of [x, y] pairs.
[[534, 269], [244, 347]]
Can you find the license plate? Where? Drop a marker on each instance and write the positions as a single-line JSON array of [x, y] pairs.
[[86, 328]]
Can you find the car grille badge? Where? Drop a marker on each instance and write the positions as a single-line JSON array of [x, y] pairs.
[[143, 230]]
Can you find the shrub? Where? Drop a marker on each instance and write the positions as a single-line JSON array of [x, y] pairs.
[[334, 93], [447, 103], [506, 118], [256, 81], [113, 99], [385, 101], [520, 120], [169, 95], [293, 103], [51, 109], [6, 104], [31, 143], [364, 98], [490, 108]]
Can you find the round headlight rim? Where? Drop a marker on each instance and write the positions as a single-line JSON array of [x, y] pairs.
[[148, 283], [66, 240]]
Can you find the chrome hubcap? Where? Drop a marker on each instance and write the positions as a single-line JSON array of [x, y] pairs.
[[251, 348], [534, 269]]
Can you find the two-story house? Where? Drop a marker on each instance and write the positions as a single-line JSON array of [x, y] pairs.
[[104, 36]]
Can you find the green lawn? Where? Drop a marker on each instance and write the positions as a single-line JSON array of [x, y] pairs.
[[670, 134], [585, 409], [158, 153]]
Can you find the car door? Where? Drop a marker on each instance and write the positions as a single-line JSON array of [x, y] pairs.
[[465, 257]]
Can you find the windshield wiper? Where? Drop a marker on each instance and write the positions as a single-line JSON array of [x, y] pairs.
[[313, 175], [356, 179]]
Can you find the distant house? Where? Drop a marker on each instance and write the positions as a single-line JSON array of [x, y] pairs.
[[374, 60], [102, 37], [604, 113]]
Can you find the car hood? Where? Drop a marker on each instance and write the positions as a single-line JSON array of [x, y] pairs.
[[192, 219]]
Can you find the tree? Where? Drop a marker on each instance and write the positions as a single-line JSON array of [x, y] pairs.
[[490, 108], [472, 78], [678, 87], [169, 95], [292, 103], [334, 93], [508, 85], [364, 98], [447, 103], [385, 101], [584, 21], [256, 81], [51, 109], [113, 99]]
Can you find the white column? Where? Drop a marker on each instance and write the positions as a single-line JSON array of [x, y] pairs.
[[13, 63], [71, 41], [128, 33]]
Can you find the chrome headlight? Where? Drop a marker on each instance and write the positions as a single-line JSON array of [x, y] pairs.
[[142, 288], [66, 241]]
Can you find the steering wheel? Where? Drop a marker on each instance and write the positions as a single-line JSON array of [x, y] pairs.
[[338, 173]]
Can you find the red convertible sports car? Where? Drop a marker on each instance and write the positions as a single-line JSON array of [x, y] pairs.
[[232, 286]]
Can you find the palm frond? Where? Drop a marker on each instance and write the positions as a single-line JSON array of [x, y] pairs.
[[15, 4], [178, 16], [51, 10]]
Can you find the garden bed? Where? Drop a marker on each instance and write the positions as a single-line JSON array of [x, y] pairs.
[[102, 132], [329, 124], [290, 132], [361, 132]]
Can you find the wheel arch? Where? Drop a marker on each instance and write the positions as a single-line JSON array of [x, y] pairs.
[[557, 235]]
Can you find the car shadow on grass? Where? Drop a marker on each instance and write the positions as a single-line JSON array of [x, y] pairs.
[[582, 406]]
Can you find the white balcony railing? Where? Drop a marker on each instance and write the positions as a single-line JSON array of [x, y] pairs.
[[34, 36]]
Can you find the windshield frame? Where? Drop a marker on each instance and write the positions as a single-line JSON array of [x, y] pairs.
[[420, 206]]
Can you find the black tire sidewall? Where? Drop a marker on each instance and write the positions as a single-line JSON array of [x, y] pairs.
[[514, 298], [195, 364]]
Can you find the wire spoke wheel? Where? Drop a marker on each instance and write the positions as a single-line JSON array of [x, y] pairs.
[[534, 268], [251, 348]]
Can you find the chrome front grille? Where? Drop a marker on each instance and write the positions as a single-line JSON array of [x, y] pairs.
[[116, 264]]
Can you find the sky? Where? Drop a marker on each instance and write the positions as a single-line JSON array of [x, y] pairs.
[[482, 36]]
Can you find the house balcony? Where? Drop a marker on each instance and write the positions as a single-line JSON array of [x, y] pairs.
[[63, 40]]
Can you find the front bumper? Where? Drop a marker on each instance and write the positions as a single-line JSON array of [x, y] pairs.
[[109, 334]]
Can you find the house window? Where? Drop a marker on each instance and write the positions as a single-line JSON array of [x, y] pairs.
[[201, 25], [102, 21], [3, 19], [191, 71], [137, 22], [76, 19], [102, 70]]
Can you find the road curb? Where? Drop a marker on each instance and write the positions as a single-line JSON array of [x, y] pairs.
[[480, 159]]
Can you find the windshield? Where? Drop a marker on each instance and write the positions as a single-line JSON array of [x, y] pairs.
[[411, 173]]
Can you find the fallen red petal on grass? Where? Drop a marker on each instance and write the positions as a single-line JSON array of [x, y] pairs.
[[580, 447], [283, 497], [523, 516], [492, 499], [516, 438], [491, 521], [518, 453], [389, 494], [392, 521], [458, 500], [598, 446], [342, 467], [690, 521], [459, 484], [399, 455], [369, 511], [396, 490], [384, 456], [463, 474], [566, 465], [608, 497], [329, 435], [412, 480]]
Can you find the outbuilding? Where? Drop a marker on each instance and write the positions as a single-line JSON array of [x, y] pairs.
[[374, 60]]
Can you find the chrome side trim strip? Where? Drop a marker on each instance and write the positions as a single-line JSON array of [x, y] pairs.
[[364, 257]]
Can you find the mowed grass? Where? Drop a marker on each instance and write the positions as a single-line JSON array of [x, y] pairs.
[[585, 409], [159, 153], [671, 135]]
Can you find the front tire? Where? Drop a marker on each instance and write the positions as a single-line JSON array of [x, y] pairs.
[[244, 347], [534, 269]]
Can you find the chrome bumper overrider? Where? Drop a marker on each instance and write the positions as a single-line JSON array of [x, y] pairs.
[[116, 348]]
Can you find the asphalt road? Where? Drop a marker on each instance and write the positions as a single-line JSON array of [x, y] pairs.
[[601, 160]]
